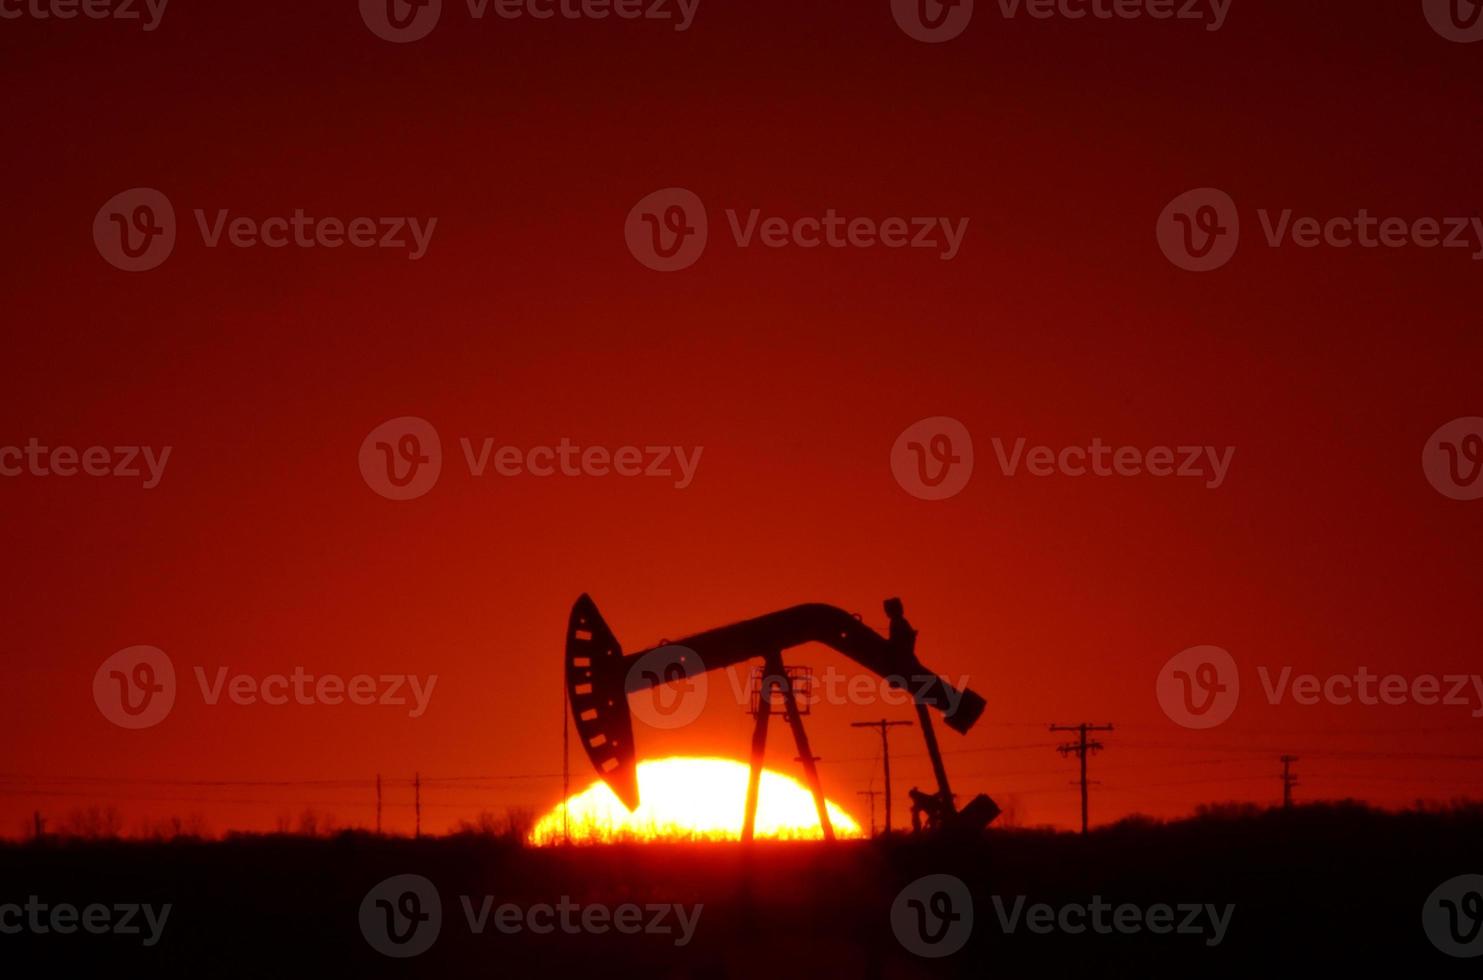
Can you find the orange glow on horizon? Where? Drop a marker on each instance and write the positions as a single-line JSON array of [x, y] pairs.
[[685, 798]]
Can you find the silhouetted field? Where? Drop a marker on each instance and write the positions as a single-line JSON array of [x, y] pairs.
[[1321, 888]]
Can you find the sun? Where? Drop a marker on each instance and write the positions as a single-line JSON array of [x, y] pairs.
[[685, 798]]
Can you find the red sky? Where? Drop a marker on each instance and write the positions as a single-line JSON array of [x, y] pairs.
[[528, 321]]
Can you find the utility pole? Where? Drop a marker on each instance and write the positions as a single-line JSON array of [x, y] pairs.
[[1081, 747], [378, 804], [417, 797], [566, 764], [885, 727], [1288, 780], [872, 794], [40, 824]]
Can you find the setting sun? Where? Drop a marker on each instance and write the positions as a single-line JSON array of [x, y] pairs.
[[689, 798]]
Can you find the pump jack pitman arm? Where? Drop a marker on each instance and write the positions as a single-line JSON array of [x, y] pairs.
[[599, 677]]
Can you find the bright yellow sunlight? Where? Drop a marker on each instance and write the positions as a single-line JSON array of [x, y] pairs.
[[687, 799]]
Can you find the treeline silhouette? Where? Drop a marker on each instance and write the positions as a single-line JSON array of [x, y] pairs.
[[1331, 886]]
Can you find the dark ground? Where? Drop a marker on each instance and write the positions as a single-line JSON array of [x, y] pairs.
[[1323, 888]]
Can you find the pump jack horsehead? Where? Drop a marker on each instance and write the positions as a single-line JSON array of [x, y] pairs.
[[599, 679]]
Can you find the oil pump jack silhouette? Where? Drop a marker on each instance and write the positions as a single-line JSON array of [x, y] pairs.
[[600, 678]]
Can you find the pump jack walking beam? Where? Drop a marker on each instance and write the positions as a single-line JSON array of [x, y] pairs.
[[600, 677]]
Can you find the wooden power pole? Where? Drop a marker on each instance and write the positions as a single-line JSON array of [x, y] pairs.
[[1288, 780], [1081, 748], [872, 794], [885, 727]]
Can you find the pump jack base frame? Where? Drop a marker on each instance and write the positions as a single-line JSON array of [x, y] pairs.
[[775, 679]]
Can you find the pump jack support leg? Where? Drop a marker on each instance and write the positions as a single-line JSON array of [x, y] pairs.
[[930, 736], [759, 752], [774, 662]]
